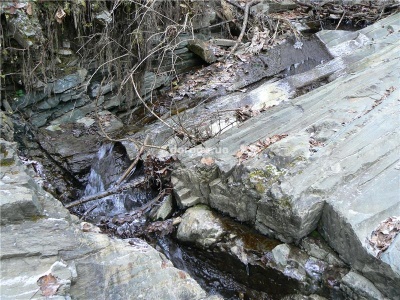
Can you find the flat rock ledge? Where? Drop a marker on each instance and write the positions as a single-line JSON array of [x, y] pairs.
[[338, 168], [40, 237]]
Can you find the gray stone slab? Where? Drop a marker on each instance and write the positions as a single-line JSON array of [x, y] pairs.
[[348, 182]]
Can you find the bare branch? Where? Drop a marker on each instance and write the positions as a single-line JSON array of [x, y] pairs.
[[134, 163], [244, 26], [106, 193]]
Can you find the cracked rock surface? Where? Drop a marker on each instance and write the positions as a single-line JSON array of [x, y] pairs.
[[40, 237], [338, 168]]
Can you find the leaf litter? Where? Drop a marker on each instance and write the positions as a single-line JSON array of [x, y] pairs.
[[48, 284], [246, 152], [383, 236]]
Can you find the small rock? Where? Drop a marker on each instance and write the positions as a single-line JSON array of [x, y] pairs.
[[200, 226], [202, 49], [104, 17], [88, 227], [86, 121], [69, 81], [96, 89], [281, 254], [164, 211]]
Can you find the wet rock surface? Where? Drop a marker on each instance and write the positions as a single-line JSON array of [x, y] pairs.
[[39, 237], [259, 263], [74, 145]]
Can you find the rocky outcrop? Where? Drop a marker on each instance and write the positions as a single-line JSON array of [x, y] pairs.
[[46, 252], [75, 144], [337, 168], [210, 117]]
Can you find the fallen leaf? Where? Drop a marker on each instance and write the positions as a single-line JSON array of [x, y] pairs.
[[49, 285], [207, 161], [60, 15], [252, 150], [382, 237], [29, 9], [11, 10], [182, 275]]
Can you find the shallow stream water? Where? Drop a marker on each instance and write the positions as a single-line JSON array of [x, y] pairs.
[[215, 271]]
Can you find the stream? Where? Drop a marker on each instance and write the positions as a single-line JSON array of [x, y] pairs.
[[216, 271], [240, 266]]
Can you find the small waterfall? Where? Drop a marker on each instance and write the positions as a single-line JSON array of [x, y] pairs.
[[108, 165]]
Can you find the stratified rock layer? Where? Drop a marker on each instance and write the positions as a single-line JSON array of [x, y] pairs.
[[338, 168], [39, 237]]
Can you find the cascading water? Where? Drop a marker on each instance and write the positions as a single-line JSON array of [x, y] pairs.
[[108, 165]]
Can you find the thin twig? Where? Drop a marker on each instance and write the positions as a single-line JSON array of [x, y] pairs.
[[150, 204], [340, 21], [244, 26], [134, 163], [88, 211]]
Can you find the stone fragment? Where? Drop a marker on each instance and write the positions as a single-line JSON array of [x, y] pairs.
[[69, 81], [319, 249], [202, 49], [6, 128], [200, 226], [267, 7], [25, 29], [97, 90], [164, 210], [281, 254], [27, 99], [356, 284], [17, 203], [48, 103]]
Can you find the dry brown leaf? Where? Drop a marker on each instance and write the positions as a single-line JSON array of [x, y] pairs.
[[207, 161], [182, 275], [60, 15], [49, 285], [11, 10], [252, 150], [163, 264], [29, 9], [384, 234]]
